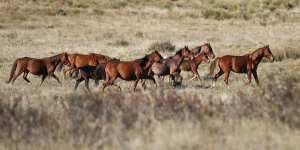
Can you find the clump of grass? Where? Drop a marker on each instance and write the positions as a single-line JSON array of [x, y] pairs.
[[287, 53], [119, 43], [165, 46]]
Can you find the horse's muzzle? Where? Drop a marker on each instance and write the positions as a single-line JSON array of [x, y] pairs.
[[272, 59]]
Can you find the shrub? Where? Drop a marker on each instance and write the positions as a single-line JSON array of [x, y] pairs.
[[162, 46]]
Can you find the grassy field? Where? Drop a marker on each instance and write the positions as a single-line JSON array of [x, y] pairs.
[[194, 116]]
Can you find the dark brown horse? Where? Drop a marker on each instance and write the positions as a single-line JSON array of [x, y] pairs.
[[80, 60], [130, 70], [193, 64], [206, 49], [44, 67], [90, 72], [247, 63], [171, 66]]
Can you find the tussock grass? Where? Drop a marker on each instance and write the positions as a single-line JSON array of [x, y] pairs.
[[164, 46], [261, 10], [114, 119]]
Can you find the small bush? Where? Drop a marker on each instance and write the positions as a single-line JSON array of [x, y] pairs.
[[162, 46]]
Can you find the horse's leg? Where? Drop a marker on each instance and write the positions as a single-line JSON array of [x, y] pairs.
[[226, 77], [195, 72], [249, 73], [220, 73], [43, 79], [16, 75], [193, 77], [56, 78], [135, 84], [96, 82], [78, 81], [143, 84], [109, 81], [87, 84], [255, 77], [25, 77], [153, 80]]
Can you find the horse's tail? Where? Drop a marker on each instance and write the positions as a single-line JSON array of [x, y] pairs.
[[213, 66], [12, 71]]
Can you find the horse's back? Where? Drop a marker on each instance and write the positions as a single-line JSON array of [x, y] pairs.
[[237, 64], [129, 70]]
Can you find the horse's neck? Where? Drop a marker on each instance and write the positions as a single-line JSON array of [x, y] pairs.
[[198, 59], [256, 56], [54, 59], [179, 59]]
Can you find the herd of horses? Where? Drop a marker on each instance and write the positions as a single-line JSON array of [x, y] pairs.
[[101, 67]]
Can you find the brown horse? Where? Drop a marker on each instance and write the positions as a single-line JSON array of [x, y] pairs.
[[247, 63], [206, 49], [44, 66], [193, 64], [170, 66], [80, 60], [130, 70], [90, 72]]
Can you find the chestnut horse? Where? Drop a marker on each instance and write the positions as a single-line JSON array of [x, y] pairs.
[[192, 65], [170, 66], [80, 60], [130, 70], [206, 49], [44, 66], [247, 63]]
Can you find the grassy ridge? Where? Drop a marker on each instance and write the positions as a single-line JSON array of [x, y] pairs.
[[262, 10]]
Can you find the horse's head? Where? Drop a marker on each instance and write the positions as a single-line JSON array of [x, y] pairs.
[[155, 56], [267, 52], [63, 57], [206, 48], [185, 52]]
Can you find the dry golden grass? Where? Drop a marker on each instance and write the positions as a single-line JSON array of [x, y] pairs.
[[194, 116]]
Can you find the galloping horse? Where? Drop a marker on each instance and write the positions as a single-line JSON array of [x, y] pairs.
[[206, 49], [44, 66], [247, 63], [193, 64], [170, 66], [130, 70], [90, 72], [156, 57], [80, 60]]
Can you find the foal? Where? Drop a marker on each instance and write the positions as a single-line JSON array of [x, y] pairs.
[[206, 49], [247, 63], [193, 64], [170, 66], [90, 72], [44, 66]]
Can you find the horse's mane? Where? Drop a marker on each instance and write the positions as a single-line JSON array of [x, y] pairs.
[[179, 51], [54, 58], [143, 61]]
